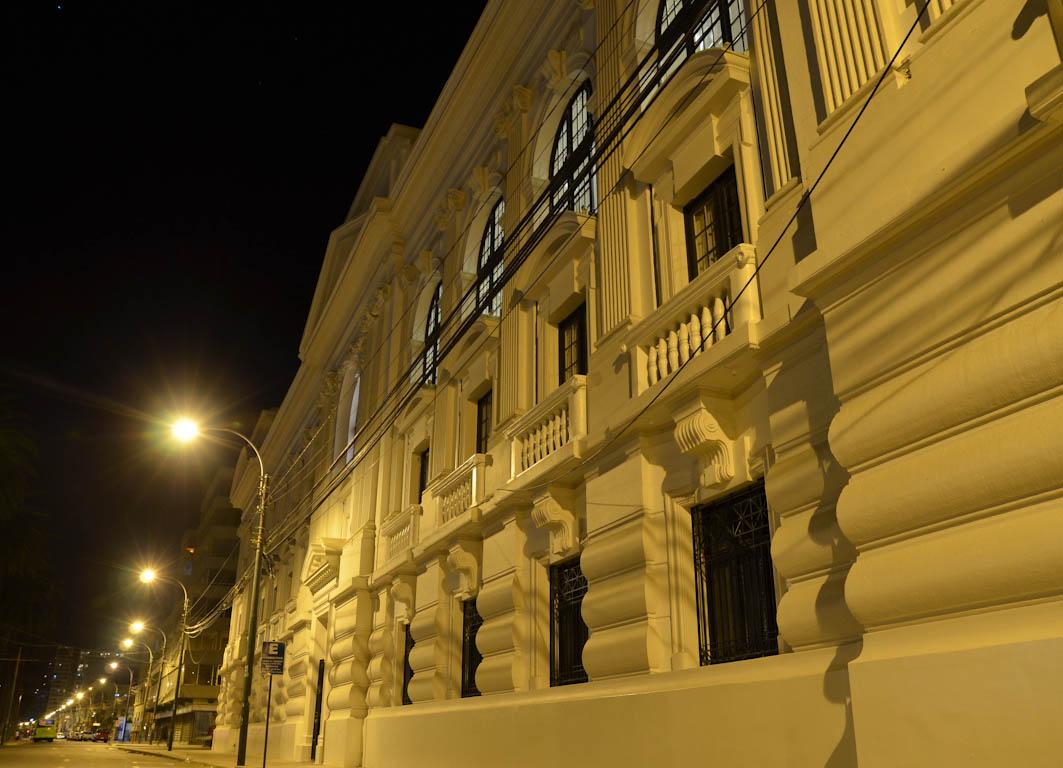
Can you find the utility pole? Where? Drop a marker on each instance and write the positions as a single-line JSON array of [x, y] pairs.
[[180, 673], [252, 620], [11, 697]]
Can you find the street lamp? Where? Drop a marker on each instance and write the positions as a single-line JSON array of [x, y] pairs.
[[186, 430], [114, 665], [129, 643], [148, 575], [136, 628]]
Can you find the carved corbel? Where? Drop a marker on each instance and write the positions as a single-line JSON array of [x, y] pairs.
[[455, 199], [555, 512], [555, 69], [402, 594], [699, 434], [522, 98], [463, 560]]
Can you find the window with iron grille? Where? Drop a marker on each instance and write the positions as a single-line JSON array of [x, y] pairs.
[[431, 337], [572, 344], [407, 670], [489, 265], [422, 474], [687, 26], [571, 173], [735, 586], [470, 654], [713, 223], [483, 422], [568, 632]]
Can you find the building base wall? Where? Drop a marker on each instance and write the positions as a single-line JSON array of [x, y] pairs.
[[782, 711], [976, 691]]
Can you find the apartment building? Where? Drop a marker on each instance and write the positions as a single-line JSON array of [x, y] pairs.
[[685, 390]]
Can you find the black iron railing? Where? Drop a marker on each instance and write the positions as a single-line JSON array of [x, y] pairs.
[[568, 632], [470, 654], [735, 580]]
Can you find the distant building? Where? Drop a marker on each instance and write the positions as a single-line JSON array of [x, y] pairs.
[[207, 568], [63, 676]]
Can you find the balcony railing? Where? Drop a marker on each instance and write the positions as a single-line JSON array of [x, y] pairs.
[[697, 317], [551, 425], [400, 531], [463, 488]]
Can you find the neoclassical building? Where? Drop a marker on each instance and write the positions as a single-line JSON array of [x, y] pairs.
[[686, 391]]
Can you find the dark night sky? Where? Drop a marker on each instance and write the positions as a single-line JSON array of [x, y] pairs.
[[171, 174]]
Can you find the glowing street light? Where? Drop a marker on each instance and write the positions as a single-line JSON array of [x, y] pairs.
[[185, 430], [147, 575], [180, 649], [136, 628]]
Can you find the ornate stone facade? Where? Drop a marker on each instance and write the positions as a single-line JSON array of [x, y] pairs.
[[872, 338]]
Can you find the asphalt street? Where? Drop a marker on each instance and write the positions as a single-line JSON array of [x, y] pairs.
[[75, 754]]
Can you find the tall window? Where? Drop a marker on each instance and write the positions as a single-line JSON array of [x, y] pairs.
[[483, 422], [470, 654], [489, 265], [572, 345], [696, 25], [568, 632], [352, 419], [735, 584], [407, 670], [713, 222], [422, 474], [431, 337], [571, 173]]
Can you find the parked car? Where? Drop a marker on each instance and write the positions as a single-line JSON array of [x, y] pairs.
[[103, 736]]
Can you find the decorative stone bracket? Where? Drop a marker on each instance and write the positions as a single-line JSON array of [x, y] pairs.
[[555, 511], [322, 563], [463, 560], [699, 434]]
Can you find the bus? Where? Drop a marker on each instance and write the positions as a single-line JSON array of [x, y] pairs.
[[45, 730]]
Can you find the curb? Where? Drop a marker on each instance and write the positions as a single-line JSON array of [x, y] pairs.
[[168, 756]]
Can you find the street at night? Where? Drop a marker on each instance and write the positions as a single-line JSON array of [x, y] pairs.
[[522, 383], [64, 754]]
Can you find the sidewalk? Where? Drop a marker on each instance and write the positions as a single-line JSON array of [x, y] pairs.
[[200, 756]]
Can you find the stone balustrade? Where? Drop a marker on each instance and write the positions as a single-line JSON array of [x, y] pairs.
[[461, 489], [400, 531], [697, 317], [553, 423]]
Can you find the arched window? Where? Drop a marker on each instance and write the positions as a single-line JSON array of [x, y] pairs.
[[431, 337], [571, 174], [696, 25], [489, 263]]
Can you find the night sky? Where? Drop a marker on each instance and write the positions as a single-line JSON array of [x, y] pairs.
[[172, 173]]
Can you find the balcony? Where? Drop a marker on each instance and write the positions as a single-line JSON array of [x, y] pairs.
[[551, 432], [461, 489], [696, 318], [400, 530]]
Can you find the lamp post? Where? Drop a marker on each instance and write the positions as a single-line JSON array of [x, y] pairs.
[[114, 665], [186, 430], [126, 645], [148, 575], [136, 628]]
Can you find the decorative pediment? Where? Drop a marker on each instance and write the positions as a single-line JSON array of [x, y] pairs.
[[322, 564], [699, 434], [555, 512]]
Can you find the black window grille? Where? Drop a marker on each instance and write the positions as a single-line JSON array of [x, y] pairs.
[[687, 26], [568, 632], [735, 581], [422, 474], [572, 344], [483, 422], [571, 172], [470, 654], [407, 670], [431, 337], [489, 265], [713, 223]]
